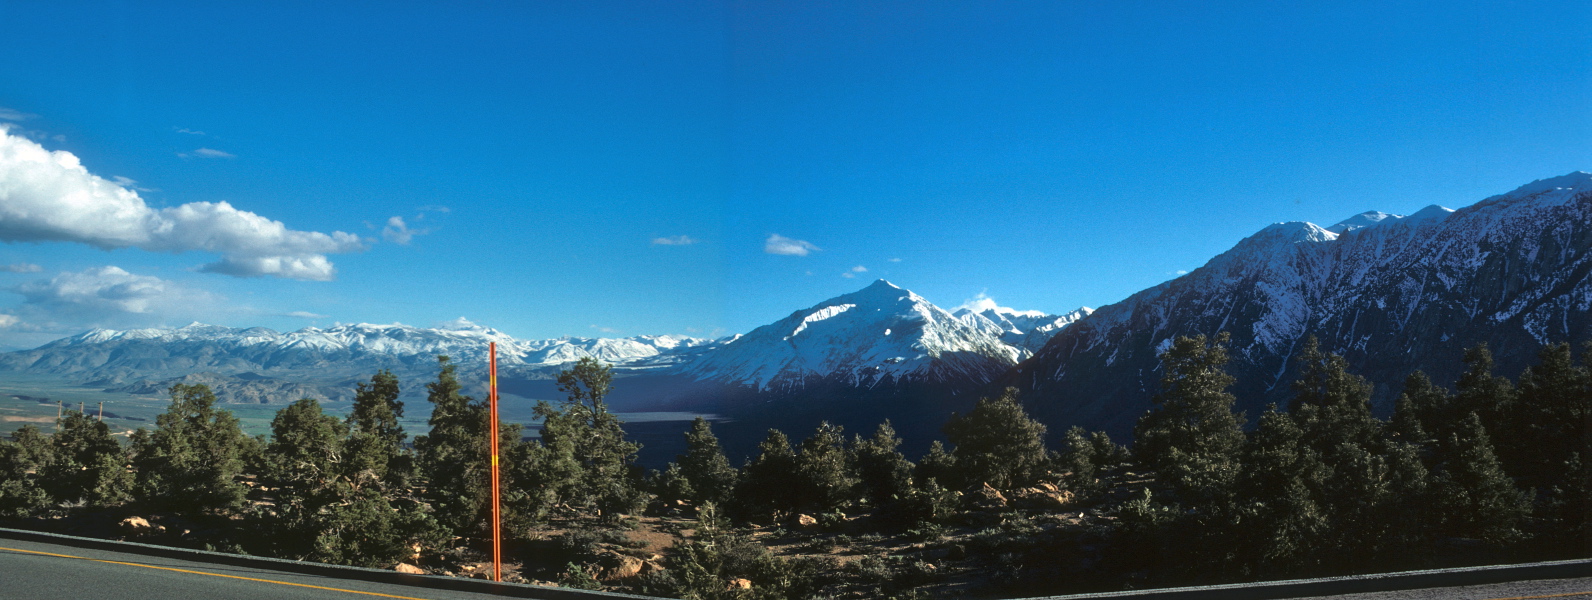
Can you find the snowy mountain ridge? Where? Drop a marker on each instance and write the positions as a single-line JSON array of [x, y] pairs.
[[1390, 293], [879, 335]]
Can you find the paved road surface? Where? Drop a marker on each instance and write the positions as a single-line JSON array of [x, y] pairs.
[[41, 571], [1565, 589]]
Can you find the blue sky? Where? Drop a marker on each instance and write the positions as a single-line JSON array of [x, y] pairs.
[[1048, 155]]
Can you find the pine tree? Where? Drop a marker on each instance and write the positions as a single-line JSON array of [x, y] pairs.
[[305, 467], [1084, 455], [376, 454], [1478, 500], [1281, 525], [937, 464], [454, 456], [1549, 422], [996, 443], [1478, 391], [767, 484], [594, 439], [22, 458], [89, 466], [191, 462], [823, 475], [883, 473], [1191, 438], [1331, 405], [704, 466]]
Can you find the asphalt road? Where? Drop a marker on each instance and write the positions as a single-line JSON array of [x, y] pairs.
[[41, 571], [1543, 589]]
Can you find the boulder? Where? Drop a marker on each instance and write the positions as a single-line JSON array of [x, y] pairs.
[[408, 568], [620, 566], [740, 584], [987, 498], [1043, 497], [806, 522]]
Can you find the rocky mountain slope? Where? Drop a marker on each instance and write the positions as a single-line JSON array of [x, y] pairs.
[[1390, 293]]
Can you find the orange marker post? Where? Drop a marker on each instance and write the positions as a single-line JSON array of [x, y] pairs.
[[497, 535]]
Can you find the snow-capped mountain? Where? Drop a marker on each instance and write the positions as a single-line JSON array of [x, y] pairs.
[[143, 358], [1391, 293], [1026, 330], [880, 335]]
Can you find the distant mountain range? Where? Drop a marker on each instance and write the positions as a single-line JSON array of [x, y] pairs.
[[1392, 293]]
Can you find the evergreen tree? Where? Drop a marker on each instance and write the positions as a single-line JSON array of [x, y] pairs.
[[192, 460], [1084, 455], [937, 464], [1550, 419], [454, 456], [1280, 524], [704, 466], [823, 475], [89, 466], [767, 487], [996, 443], [593, 438], [1331, 405], [1191, 438], [22, 458], [304, 465], [1478, 391], [1419, 408], [1477, 499], [883, 473], [376, 453]]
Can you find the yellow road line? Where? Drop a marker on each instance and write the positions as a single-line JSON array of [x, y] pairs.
[[302, 585]]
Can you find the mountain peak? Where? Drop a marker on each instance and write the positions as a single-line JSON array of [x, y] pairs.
[[1553, 190]]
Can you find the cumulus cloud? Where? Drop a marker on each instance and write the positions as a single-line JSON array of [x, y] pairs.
[[779, 244], [102, 293], [397, 232], [859, 269], [49, 196], [20, 268], [8, 321], [679, 240], [128, 182]]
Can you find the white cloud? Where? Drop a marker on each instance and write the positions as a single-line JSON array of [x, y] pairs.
[[8, 321], [605, 329], [49, 196], [11, 114], [979, 303], [303, 314], [399, 233], [895, 260], [859, 269], [211, 153], [20, 268], [679, 240], [1181, 272], [190, 131], [779, 244], [847, 275], [103, 294], [128, 182]]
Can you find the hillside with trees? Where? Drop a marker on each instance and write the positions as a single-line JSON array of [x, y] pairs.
[[1495, 470]]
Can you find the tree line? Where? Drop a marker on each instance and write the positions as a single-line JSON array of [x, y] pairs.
[[1494, 469]]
